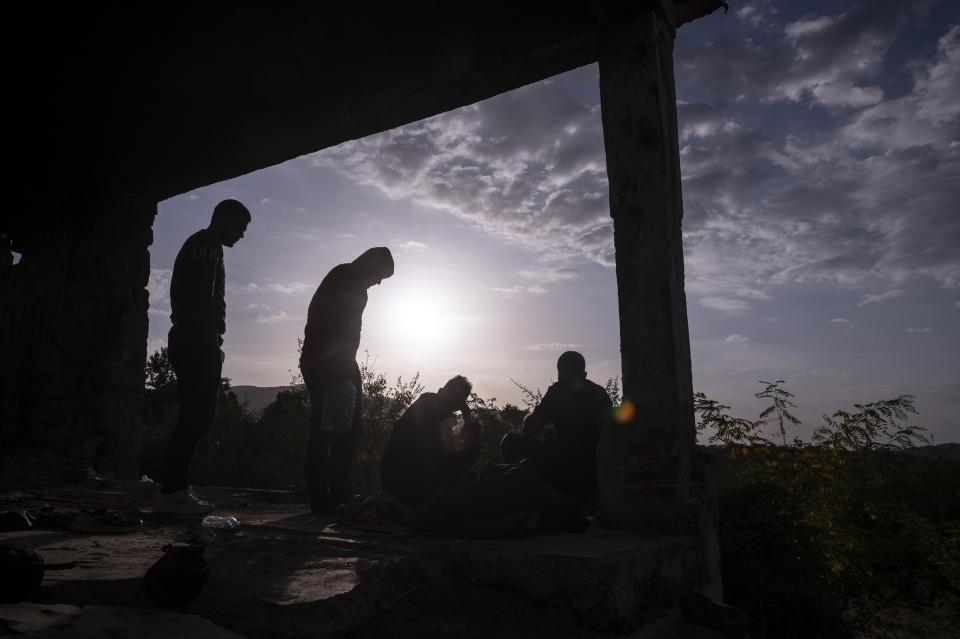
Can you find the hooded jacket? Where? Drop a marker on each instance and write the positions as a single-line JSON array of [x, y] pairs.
[[331, 338]]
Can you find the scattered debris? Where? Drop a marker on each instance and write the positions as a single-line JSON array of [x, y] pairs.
[[32, 617], [14, 520], [220, 523], [44, 621], [99, 521], [104, 521], [87, 477]]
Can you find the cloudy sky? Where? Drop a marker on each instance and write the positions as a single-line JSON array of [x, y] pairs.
[[820, 147]]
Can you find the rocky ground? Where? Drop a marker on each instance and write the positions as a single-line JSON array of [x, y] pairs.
[[287, 573]]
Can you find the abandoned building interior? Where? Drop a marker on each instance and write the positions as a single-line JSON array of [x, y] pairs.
[[139, 107]]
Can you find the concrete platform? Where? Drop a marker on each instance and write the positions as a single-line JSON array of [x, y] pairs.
[[287, 573]]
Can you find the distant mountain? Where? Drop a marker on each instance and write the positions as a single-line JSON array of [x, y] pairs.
[[950, 451], [257, 397]]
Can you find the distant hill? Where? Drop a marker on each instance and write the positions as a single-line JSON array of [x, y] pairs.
[[257, 397], [950, 451]]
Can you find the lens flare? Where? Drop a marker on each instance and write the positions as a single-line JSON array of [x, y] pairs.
[[625, 412]]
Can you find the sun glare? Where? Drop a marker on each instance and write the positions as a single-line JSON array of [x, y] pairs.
[[421, 318]]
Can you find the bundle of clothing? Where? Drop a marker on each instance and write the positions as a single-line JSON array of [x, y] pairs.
[[508, 501]]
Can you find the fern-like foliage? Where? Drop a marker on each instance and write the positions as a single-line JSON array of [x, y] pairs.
[[530, 397], [878, 425], [727, 430], [780, 408]]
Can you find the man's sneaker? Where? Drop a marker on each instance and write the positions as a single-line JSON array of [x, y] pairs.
[[193, 494], [183, 502]]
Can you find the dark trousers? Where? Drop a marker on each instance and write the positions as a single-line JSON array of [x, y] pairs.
[[330, 450], [482, 508], [198, 385], [571, 472]]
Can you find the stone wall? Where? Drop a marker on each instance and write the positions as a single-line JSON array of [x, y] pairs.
[[73, 331]]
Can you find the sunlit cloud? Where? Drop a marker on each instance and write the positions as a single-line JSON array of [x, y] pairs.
[[552, 346], [725, 305], [806, 207], [736, 338], [519, 289], [272, 317], [825, 59], [843, 322], [287, 288], [411, 245], [812, 209], [881, 297], [757, 13], [937, 89], [159, 288], [264, 313], [550, 275], [527, 166]]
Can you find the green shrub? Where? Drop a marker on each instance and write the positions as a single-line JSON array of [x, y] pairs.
[[851, 535]]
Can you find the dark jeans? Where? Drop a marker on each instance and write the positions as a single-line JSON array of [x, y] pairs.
[[483, 508], [198, 384], [332, 441], [572, 473]]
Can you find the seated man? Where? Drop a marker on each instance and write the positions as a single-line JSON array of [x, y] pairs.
[[423, 457], [575, 405]]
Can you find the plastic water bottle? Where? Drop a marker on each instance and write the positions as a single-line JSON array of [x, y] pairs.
[[216, 522]]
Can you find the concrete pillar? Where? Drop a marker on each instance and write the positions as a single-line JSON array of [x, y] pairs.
[[125, 267], [73, 331], [645, 459]]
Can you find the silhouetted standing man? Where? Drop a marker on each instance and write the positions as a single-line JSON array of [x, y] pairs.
[[328, 361], [575, 406], [199, 322]]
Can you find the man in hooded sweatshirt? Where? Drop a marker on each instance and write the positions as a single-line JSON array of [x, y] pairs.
[[328, 361]]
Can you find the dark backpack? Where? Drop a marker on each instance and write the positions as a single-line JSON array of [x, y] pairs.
[[22, 572]]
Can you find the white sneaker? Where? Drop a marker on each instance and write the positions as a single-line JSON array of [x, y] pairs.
[[183, 502]]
